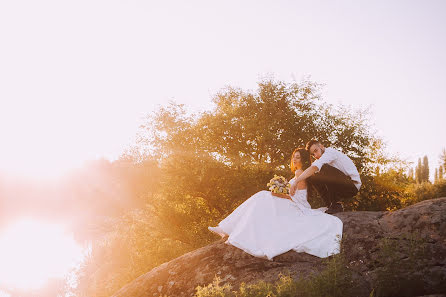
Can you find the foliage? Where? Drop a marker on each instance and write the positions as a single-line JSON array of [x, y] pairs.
[[383, 191], [393, 189], [436, 175], [398, 264], [255, 133], [210, 190], [260, 128], [425, 171], [212, 161], [415, 192], [214, 289], [443, 158], [132, 247], [189, 171], [440, 189], [335, 280], [422, 170]]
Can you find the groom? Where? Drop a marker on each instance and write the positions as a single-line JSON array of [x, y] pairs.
[[333, 174]]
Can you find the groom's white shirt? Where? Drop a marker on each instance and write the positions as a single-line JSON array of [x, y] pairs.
[[340, 161]]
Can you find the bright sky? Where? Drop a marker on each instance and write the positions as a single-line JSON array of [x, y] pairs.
[[32, 251], [77, 76]]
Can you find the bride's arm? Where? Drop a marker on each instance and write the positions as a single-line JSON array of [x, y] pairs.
[[299, 183]]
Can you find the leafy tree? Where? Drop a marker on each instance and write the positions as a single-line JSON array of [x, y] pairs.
[[425, 169], [422, 170], [214, 160], [419, 172], [436, 176], [260, 128], [443, 158], [410, 174]]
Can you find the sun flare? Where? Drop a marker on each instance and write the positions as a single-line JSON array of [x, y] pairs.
[[31, 252]]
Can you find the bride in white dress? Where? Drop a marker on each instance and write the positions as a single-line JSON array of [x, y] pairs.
[[267, 225]]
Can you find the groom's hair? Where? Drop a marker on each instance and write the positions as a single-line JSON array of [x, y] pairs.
[[310, 143]]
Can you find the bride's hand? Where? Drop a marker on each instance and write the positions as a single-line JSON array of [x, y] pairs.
[[292, 189], [284, 196]]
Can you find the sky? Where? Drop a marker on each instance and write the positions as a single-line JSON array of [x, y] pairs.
[[78, 77]]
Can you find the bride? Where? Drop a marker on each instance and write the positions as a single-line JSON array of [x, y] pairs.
[[267, 225]]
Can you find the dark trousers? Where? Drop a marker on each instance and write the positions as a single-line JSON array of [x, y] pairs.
[[332, 185]]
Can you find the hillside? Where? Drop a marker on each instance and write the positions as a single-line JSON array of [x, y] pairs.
[[409, 245]]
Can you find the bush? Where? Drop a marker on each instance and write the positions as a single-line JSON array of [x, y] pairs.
[[417, 192], [440, 188], [381, 192], [335, 280], [214, 289], [398, 265]]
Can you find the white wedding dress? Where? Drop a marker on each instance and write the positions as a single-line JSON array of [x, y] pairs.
[[266, 226]]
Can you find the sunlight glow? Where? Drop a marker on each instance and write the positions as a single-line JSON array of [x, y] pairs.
[[32, 251]]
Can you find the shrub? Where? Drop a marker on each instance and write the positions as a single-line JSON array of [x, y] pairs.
[[397, 266], [214, 289]]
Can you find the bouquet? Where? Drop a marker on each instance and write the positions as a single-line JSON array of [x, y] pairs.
[[279, 184]]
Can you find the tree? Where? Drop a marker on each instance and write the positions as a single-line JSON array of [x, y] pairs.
[[443, 158], [261, 128], [254, 133], [425, 169], [422, 170], [419, 172], [440, 172], [436, 176], [410, 174]]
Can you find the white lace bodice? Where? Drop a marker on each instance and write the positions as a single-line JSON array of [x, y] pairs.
[[300, 197]]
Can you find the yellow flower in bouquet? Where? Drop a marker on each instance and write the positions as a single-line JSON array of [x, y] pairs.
[[279, 184]]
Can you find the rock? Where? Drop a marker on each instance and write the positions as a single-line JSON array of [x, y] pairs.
[[364, 234]]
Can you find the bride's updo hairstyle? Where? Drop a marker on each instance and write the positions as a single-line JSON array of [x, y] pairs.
[[304, 159]]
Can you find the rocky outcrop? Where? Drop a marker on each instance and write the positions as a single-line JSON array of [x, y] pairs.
[[412, 240]]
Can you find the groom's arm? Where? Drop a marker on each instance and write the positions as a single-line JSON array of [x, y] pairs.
[[327, 157], [304, 175]]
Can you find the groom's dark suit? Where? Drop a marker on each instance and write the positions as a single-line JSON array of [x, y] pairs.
[[337, 178], [333, 185]]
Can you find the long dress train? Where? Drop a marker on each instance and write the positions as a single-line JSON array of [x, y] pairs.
[[266, 226]]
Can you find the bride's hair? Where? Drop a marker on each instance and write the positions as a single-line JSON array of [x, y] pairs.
[[304, 159]]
